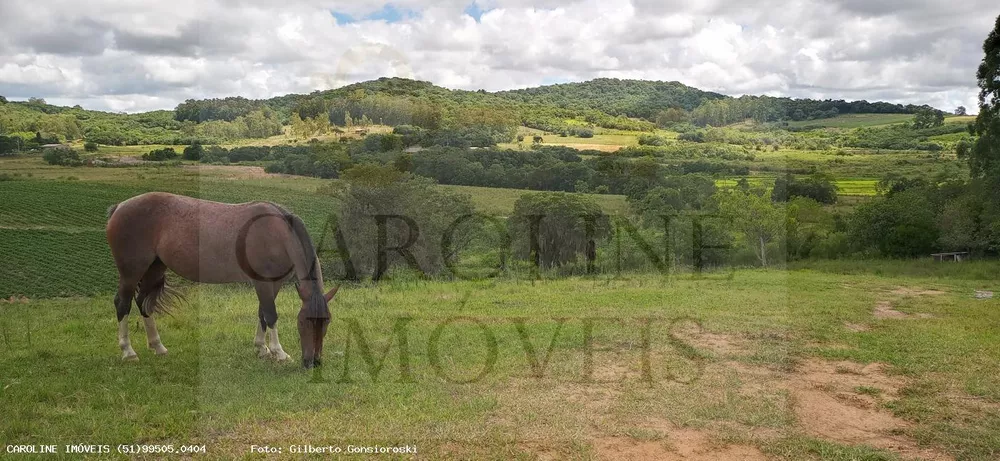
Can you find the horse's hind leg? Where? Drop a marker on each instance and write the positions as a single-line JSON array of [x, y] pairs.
[[267, 314], [150, 288], [123, 306]]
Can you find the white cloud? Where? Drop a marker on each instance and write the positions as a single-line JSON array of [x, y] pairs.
[[120, 55]]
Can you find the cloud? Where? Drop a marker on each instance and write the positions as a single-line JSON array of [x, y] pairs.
[[117, 55]]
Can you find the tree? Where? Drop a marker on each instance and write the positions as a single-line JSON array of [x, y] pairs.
[[3, 100], [984, 160], [898, 225], [960, 110], [159, 155], [61, 156], [755, 219], [405, 215], [194, 152], [10, 144], [818, 187], [927, 117], [554, 228]]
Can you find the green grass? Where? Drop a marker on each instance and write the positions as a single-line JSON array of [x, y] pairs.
[[53, 229], [64, 381], [848, 187], [854, 121]]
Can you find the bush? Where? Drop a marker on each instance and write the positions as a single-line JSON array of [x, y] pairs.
[[817, 187], [651, 140], [62, 156], [194, 152], [159, 155], [90, 146], [692, 136]]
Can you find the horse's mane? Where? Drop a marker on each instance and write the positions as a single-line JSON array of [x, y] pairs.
[[315, 304]]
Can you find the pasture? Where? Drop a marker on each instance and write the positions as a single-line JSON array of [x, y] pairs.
[[749, 364], [853, 121], [831, 360]]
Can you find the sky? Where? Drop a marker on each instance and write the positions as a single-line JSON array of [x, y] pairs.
[[136, 56]]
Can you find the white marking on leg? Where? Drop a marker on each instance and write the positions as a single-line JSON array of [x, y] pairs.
[[153, 336], [260, 343], [123, 342], [276, 350]]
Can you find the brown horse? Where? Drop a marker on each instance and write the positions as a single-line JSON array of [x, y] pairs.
[[211, 242]]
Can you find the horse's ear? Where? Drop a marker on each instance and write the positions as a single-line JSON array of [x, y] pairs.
[[329, 294]]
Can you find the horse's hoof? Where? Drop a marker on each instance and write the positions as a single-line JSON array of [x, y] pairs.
[[281, 356], [130, 357], [263, 352], [160, 351]]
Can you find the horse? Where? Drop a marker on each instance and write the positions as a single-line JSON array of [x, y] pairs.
[[211, 242]]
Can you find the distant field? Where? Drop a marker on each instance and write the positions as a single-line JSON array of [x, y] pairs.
[[856, 187], [52, 222], [860, 120], [500, 202], [854, 120]]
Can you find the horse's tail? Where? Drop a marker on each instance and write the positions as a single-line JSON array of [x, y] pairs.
[[315, 303], [159, 298]]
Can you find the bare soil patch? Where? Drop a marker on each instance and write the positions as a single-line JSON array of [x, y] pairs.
[[856, 327], [677, 444], [844, 402], [884, 310], [719, 344], [909, 291], [839, 401]]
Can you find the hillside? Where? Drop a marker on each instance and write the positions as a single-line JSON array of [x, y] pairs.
[[574, 109]]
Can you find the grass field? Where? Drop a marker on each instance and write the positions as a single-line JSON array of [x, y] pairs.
[[851, 187], [742, 377], [52, 222], [854, 121], [860, 120]]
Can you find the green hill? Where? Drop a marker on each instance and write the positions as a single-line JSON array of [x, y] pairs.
[[632, 98]]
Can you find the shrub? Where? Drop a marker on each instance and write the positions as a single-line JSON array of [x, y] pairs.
[[194, 152], [651, 140], [817, 187], [159, 155], [90, 146], [62, 156], [692, 136]]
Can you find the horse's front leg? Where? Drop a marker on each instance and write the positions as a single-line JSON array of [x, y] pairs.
[[276, 350], [260, 341], [268, 316]]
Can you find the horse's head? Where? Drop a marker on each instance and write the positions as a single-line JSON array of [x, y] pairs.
[[312, 330]]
